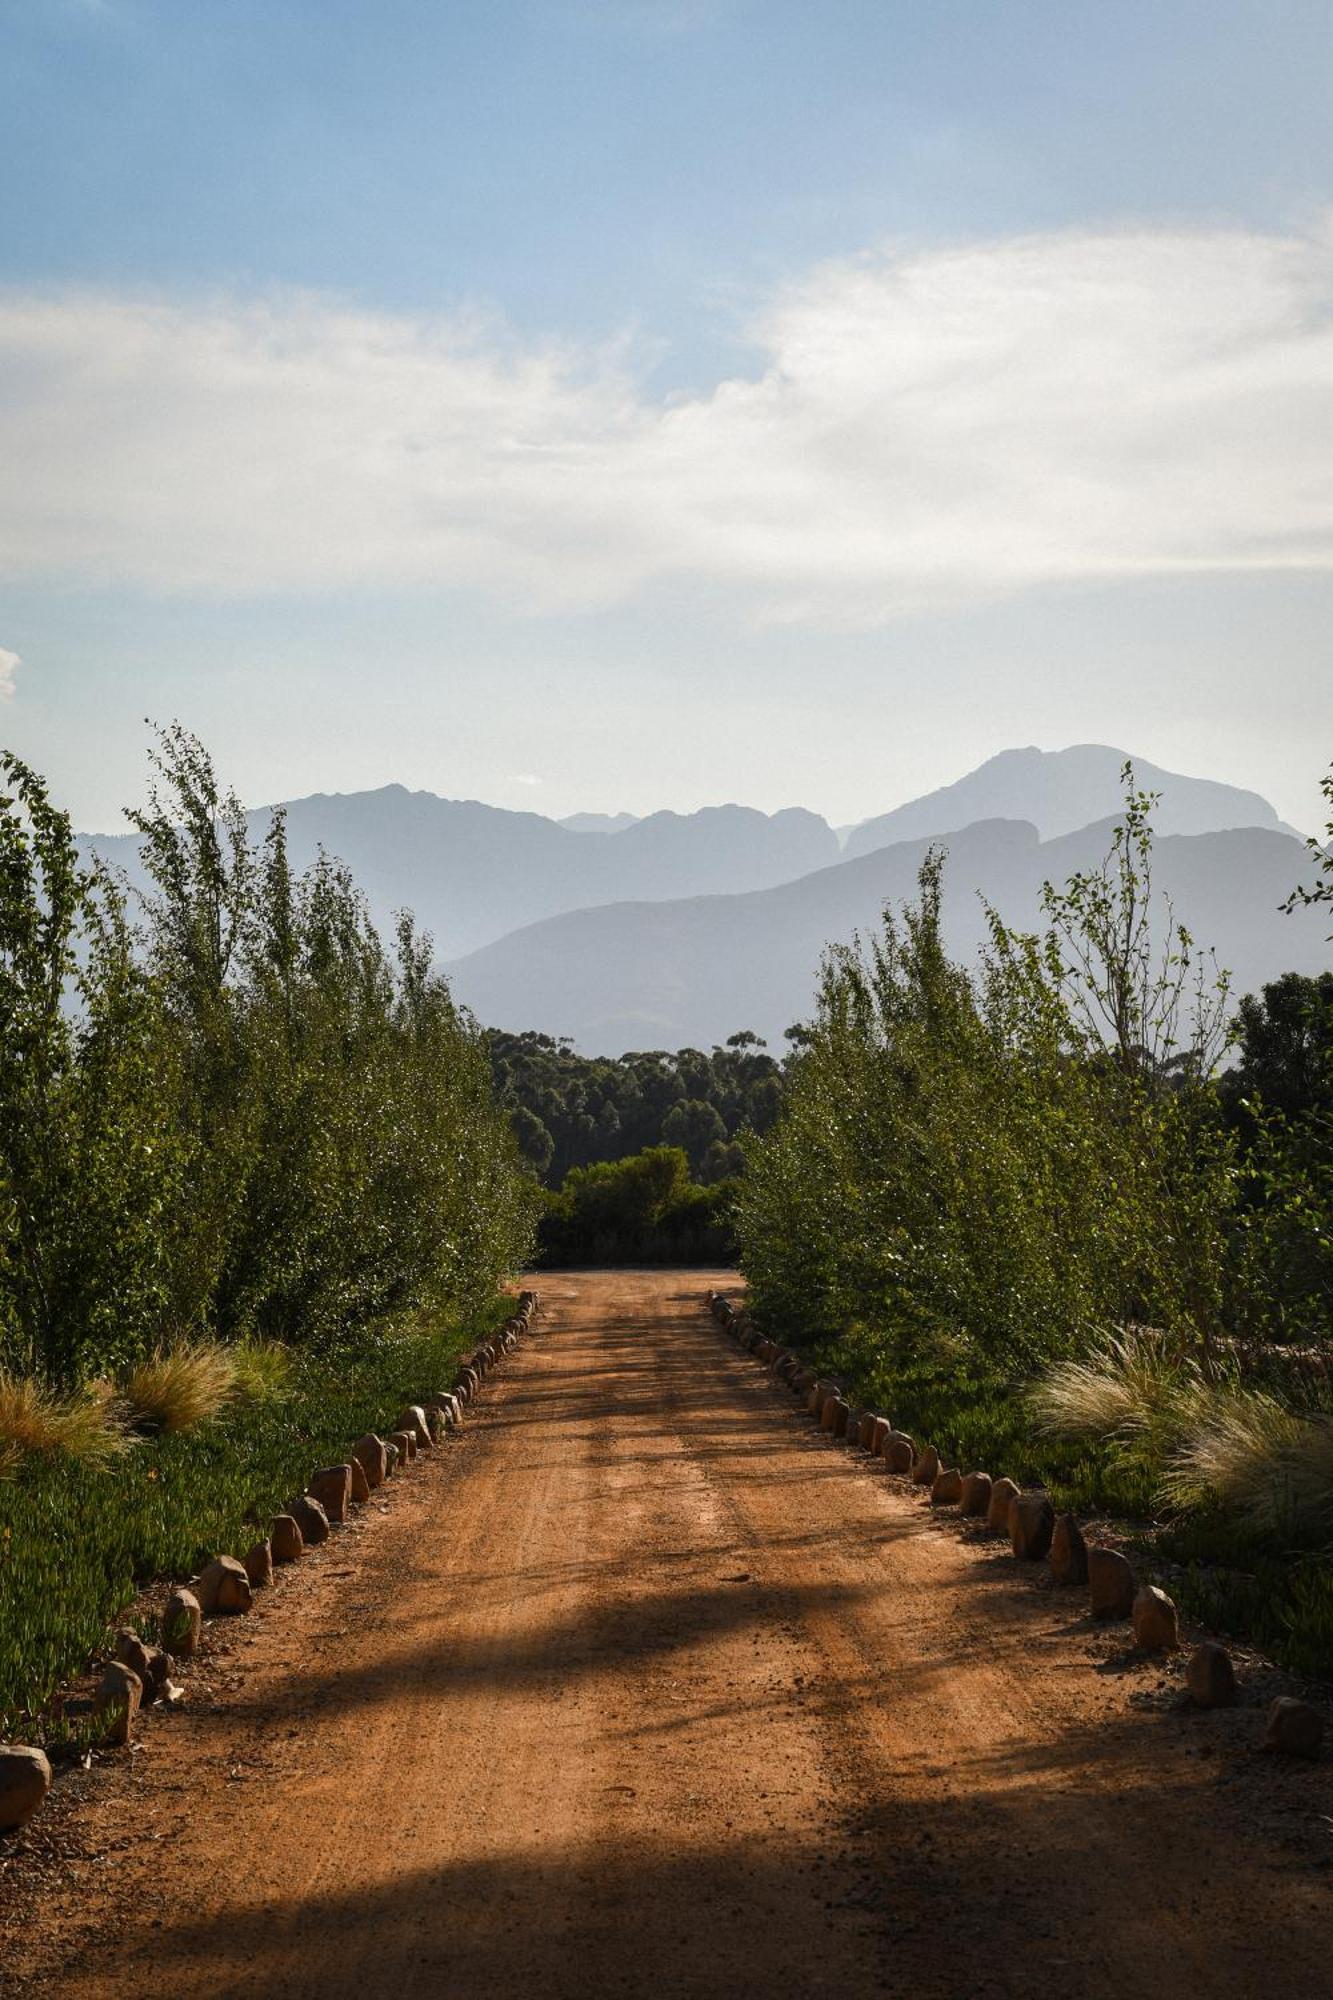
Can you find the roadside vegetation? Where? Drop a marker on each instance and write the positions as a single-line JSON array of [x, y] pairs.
[[1027, 1211], [253, 1185], [641, 1210]]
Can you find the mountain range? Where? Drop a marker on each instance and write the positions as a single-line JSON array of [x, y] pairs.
[[678, 928]]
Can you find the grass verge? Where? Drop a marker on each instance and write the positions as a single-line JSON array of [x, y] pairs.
[[78, 1540]]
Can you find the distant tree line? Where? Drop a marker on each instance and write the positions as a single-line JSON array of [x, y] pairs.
[[574, 1111]]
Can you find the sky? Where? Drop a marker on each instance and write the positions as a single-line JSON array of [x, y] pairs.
[[616, 404]]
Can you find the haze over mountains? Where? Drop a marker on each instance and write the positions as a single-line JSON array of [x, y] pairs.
[[680, 928], [688, 973], [474, 872], [1058, 791]]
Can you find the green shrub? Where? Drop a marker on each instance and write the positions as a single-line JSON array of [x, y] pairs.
[[642, 1210]]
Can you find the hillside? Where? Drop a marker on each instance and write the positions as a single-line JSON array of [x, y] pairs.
[[689, 972]]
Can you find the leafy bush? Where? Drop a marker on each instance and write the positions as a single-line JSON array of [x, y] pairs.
[[247, 1119], [239, 1141], [643, 1210]]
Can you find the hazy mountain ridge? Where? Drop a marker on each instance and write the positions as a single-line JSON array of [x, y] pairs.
[[550, 924], [473, 872], [675, 974], [1060, 791]]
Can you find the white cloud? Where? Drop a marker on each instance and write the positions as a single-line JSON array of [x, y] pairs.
[[9, 666], [923, 426]]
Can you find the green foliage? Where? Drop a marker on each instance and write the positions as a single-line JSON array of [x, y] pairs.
[[1026, 1179], [92, 1162], [250, 1119], [643, 1210], [571, 1111], [77, 1541], [958, 1165]]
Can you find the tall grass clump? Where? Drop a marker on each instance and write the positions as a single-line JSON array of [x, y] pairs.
[[180, 1386], [35, 1420], [1270, 1466]]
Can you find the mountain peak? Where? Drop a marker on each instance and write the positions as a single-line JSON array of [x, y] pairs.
[[1060, 791]]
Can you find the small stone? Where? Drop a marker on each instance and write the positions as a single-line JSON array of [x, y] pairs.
[[1069, 1552], [865, 1431], [899, 1452], [1031, 1525], [406, 1444], [311, 1519], [413, 1420], [820, 1395], [833, 1417], [947, 1487], [368, 1451], [25, 1780], [159, 1674], [879, 1436], [1156, 1626], [1295, 1729], [332, 1487], [1003, 1493], [223, 1586], [259, 1565], [182, 1622], [1111, 1584], [391, 1456], [116, 1703], [132, 1653], [974, 1498], [360, 1484], [285, 1540], [1210, 1676], [925, 1466]]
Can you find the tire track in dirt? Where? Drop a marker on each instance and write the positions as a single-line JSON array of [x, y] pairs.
[[643, 1686]]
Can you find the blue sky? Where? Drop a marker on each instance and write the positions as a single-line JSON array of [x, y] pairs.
[[601, 405]]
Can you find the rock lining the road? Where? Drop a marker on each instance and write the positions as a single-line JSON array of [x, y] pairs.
[[1293, 1727], [139, 1673]]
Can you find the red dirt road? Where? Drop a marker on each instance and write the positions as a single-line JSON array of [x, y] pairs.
[[641, 1686]]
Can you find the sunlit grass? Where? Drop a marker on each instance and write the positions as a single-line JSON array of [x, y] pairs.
[[1130, 1388], [1244, 1451], [36, 1420], [180, 1387]]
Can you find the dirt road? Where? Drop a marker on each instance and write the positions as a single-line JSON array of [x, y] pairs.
[[643, 1687]]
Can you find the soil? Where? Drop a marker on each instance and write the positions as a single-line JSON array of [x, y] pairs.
[[641, 1685]]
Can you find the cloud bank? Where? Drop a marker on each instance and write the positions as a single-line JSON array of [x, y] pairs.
[[921, 427], [9, 666]]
